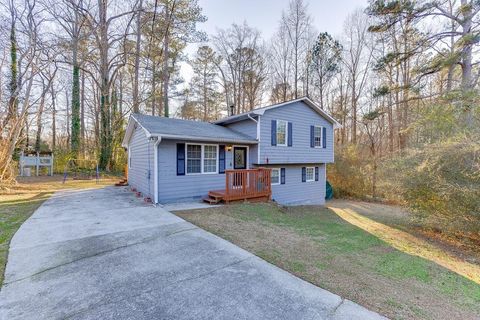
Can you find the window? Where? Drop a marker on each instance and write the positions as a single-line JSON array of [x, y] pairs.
[[281, 133], [310, 174], [275, 176], [317, 137], [201, 158], [194, 158], [209, 159]]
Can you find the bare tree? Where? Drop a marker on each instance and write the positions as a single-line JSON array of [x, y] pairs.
[[136, 69], [279, 57], [357, 58], [240, 47], [25, 67], [109, 31], [297, 23]]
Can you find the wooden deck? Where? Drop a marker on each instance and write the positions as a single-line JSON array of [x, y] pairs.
[[243, 185]]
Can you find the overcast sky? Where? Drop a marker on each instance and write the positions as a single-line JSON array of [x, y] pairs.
[[327, 15]]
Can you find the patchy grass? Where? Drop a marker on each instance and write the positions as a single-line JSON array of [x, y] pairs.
[[18, 202], [353, 261]]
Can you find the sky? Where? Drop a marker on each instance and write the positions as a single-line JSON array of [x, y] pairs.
[[327, 15], [264, 15]]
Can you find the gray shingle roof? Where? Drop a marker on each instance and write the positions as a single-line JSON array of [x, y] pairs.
[[190, 130]]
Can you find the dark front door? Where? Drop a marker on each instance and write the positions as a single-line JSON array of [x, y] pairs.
[[239, 157]]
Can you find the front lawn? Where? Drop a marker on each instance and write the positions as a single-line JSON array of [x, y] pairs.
[[18, 202], [354, 262]]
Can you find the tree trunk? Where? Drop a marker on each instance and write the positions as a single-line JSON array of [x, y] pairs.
[[54, 119], [166, 73], [136, 107], [390, 124], [82, 114], [154, 88], [67, 100], [75, 130], [105, 129], [467, 47], [13, 101], [38, 136], [354, 112]]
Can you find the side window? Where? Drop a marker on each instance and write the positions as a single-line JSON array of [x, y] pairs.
[[318, 137], [310, 174], [194, 158], [282, 132], [275, 178]]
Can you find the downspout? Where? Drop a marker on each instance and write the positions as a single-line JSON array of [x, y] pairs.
[[258, 134], [155, 170], [258, 138]]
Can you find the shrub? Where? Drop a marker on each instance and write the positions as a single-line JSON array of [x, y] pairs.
[[349, 174], [439, 182]]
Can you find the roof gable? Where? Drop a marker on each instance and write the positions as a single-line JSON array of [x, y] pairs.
[[261, 111]]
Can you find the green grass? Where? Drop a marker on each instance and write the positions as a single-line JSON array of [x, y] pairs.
[[402, 266], [317, 245], [12, 214]]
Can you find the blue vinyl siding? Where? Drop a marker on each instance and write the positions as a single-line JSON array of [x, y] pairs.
[[295, 192], [248, 127], [302, 118], [172, 187], [140, 172]]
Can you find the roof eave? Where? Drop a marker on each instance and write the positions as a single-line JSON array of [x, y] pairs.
[[239, 117], [205, 139], [130, 128]]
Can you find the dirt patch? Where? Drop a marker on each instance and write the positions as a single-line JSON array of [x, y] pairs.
[[318, 246]]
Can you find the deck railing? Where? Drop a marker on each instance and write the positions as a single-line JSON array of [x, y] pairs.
[[248, 183]]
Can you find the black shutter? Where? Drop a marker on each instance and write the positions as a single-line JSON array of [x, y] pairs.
[[221, 159], [282, 175], [290, 134], [312, 136], [316, 173], [304, 174], [274, 132], [324, 137], [180, 159]]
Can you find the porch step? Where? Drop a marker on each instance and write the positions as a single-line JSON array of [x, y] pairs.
[[216, 194], [122, 183], [211, 200]]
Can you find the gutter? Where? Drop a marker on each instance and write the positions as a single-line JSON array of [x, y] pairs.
[[198, 138], [155, 170]]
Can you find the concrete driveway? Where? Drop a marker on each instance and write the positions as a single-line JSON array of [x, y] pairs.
[[103, 254]]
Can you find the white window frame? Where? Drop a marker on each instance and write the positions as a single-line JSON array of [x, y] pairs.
[[202, 158], [216, 158], [279, 176], [286, 133], [321, 137], [313, 174]]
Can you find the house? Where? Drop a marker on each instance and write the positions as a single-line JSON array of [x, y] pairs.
[[173, 160]]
